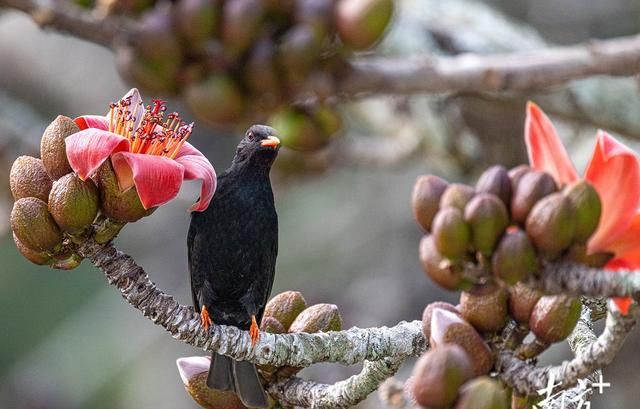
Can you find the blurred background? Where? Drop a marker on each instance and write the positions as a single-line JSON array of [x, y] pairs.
[[347, 235]]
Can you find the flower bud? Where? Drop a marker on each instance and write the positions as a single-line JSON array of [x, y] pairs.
[[578, 253], [485, 307], [53, 150], [193, 372], [36, 257], [68, 263], [74, 203], [216, 100], [428, 311], [588, 207], [241, 21], [516, 173], [327, 118], [298, 131], [361, 23], [29, 178], [482, 393], [532, 187], [551, 224], [285, 307], [488, 218], [196, 20], [514, 258], [298, 51], [554, 317], [451, 234], [260, 73], [440, 270], [522, 299], [317, 14], [521, 401], [449, 328], [438, 375], [120, 206], [457, 195], [318, 318], [496, 181], [33, 225], [152, 75], [425, 199]]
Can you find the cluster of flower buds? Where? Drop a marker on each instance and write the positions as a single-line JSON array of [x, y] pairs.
[[244, 61], [55, 209]]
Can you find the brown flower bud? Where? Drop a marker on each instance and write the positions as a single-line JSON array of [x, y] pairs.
[[449, 328], [488, 218], [193, 372], [485, 307], [554, 317], [241, 21], [36, 257], [482, 393], [516, 173], [425, 199], [155, 75], [29, 178], [33, 225], [551, 224], [53, 150], [457, 195], [216, 100], [260, 73], [120, 206], [196, 20], [532, 187], [285, 307], [496, 181], [318, 318], [440, 270], [73, 203], [298, 51], [361, 23], [438, 375], [588, 207], [428, 311], [68, 263], [451, 233], [522, 299], [514, 258], [579, 254]]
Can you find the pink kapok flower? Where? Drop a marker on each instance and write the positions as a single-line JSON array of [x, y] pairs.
[[146, 149], [614, 171]]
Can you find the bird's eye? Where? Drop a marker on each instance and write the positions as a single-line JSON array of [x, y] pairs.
[[251, 136]]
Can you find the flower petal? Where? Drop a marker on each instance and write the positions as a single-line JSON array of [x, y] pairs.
[[189, 367], [92, 121], [87, 149], [627, 245], [197, 166], [136, 106], [157, 178], [623, 303], [546, 152], [615, 174]]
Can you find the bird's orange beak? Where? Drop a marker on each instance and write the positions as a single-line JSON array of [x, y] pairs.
[[271, 142]]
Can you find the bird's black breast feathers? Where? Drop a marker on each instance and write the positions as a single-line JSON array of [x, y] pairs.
[[232, 248]]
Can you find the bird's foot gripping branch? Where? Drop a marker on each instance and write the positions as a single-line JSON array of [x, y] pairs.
[[522, 245]]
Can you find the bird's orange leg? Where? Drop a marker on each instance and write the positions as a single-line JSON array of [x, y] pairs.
[[254, 331], [205, 318]]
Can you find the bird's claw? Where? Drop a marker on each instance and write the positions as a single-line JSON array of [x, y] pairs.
[[205, 318], [254, 331]]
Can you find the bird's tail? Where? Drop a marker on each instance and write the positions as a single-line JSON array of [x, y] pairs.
[[240, 377]]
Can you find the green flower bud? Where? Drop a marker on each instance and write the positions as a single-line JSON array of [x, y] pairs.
[[241, 21], [439, 269], [298, 130], [514, 258], [425, 199], [53, 150], [285, 307], [438, 375], [36, 257], [124, 207], [516, 173], [496, 181], [457, 195], [217, 100], [361, 23], [522, 299], [482, 393], [554, 317], [579, 254], [532, 187], [29, 178], [488, 218], [327, 118], [68, 263], [586, 202], [428, 312], [551, 224], [318, 318], [451, 233], [485, 307], [298, 52], [33, 225], [74, 203]]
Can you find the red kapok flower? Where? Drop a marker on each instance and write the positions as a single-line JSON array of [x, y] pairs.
[[613, 171], [147, 151]]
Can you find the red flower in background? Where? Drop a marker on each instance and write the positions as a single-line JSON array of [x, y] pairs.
[[613, 171], [147, 151]]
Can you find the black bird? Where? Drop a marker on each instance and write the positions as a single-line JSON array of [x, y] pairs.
[[232, 247]]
